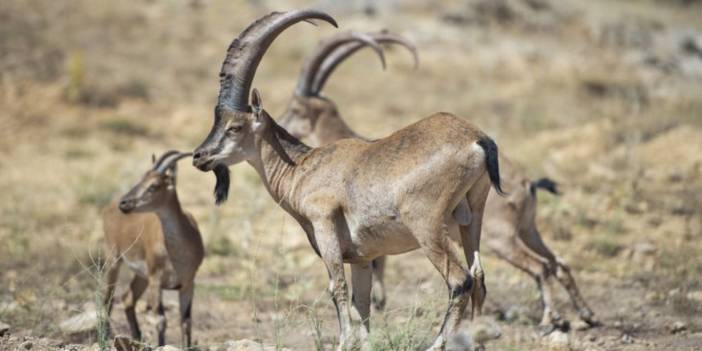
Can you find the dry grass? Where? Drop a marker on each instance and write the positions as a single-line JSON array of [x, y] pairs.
[[83, 111]]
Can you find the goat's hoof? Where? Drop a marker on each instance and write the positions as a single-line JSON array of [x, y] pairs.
[[378, 304]]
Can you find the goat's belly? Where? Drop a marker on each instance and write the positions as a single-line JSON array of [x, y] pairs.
[[137, 266], [388, 238], [169, 278]]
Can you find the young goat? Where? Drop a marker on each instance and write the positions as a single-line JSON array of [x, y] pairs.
[[149, 231], [510, 222], [311, 115], [358, 200]]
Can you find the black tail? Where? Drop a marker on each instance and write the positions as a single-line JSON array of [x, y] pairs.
[[491, 162], [546, 184]]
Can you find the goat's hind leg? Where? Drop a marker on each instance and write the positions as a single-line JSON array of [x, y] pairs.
[[378, 291], [510, 250], [533, 240], [361, 276], [470, 240], [438, 248]]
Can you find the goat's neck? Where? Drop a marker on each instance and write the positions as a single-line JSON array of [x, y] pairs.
[[277, 175], [183, 240], [330, 127]]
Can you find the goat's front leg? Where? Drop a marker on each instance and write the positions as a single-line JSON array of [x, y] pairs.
[[186, 302], [361, 275], [155, 305], [330, 250]]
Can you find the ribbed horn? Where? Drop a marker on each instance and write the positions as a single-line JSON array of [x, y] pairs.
[[163, 157], [168, 161], [344, 52], [246, 51], [325, 48]]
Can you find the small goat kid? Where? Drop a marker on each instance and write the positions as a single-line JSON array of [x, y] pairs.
[[358, 200], [149, 231], [316, 117], [510, 222]]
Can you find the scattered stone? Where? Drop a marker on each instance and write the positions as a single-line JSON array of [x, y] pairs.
[[627, 339], [27, 345], [246, 345], [580, 325], [461, 341], [678, 327], [125, 343], [82, 323], [484, 329], [4, 328], [558, 340], [592, 338], [168, 348], [695, 296]]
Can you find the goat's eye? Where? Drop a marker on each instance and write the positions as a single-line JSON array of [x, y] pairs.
[[233, 129], [151, 188]]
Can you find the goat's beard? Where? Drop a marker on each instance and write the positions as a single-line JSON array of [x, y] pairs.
[[221, 190]]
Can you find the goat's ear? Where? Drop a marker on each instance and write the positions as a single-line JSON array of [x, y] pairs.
[[259, 123]]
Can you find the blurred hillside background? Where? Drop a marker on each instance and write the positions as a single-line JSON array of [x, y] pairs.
[[605, 97]]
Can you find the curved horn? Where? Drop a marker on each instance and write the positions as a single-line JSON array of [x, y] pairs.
[[164, 156], [169, 160], [245, 53], [325, 48], [344, 52]]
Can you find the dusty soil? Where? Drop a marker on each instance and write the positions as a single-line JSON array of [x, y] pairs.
[[605, 97]]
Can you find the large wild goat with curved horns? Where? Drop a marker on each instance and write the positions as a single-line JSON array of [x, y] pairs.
[[358, 200], [149, 231], [510, 221], [309, 114]]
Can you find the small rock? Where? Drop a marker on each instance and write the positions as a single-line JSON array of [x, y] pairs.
[[27, 345], [627, 339], [580, 325], [559, 340], [461, 341], [592, 338], [695, 295], [246, 345], [4, 328], [168, 348], [678, 327], [84, 322], [483, 330], [125, 343]]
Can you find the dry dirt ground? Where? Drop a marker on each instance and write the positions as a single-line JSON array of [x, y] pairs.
[[605, 97]]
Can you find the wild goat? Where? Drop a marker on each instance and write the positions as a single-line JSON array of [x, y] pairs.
[[510, 222], [358, 200], [149, 231], [312, 115]]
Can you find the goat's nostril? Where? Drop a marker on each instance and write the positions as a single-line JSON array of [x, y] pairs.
[[197, 155]]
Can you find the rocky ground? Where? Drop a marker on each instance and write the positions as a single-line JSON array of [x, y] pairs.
[[605, 97]]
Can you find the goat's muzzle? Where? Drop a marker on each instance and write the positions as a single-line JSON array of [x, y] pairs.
[[127, 206], [202, 160]]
